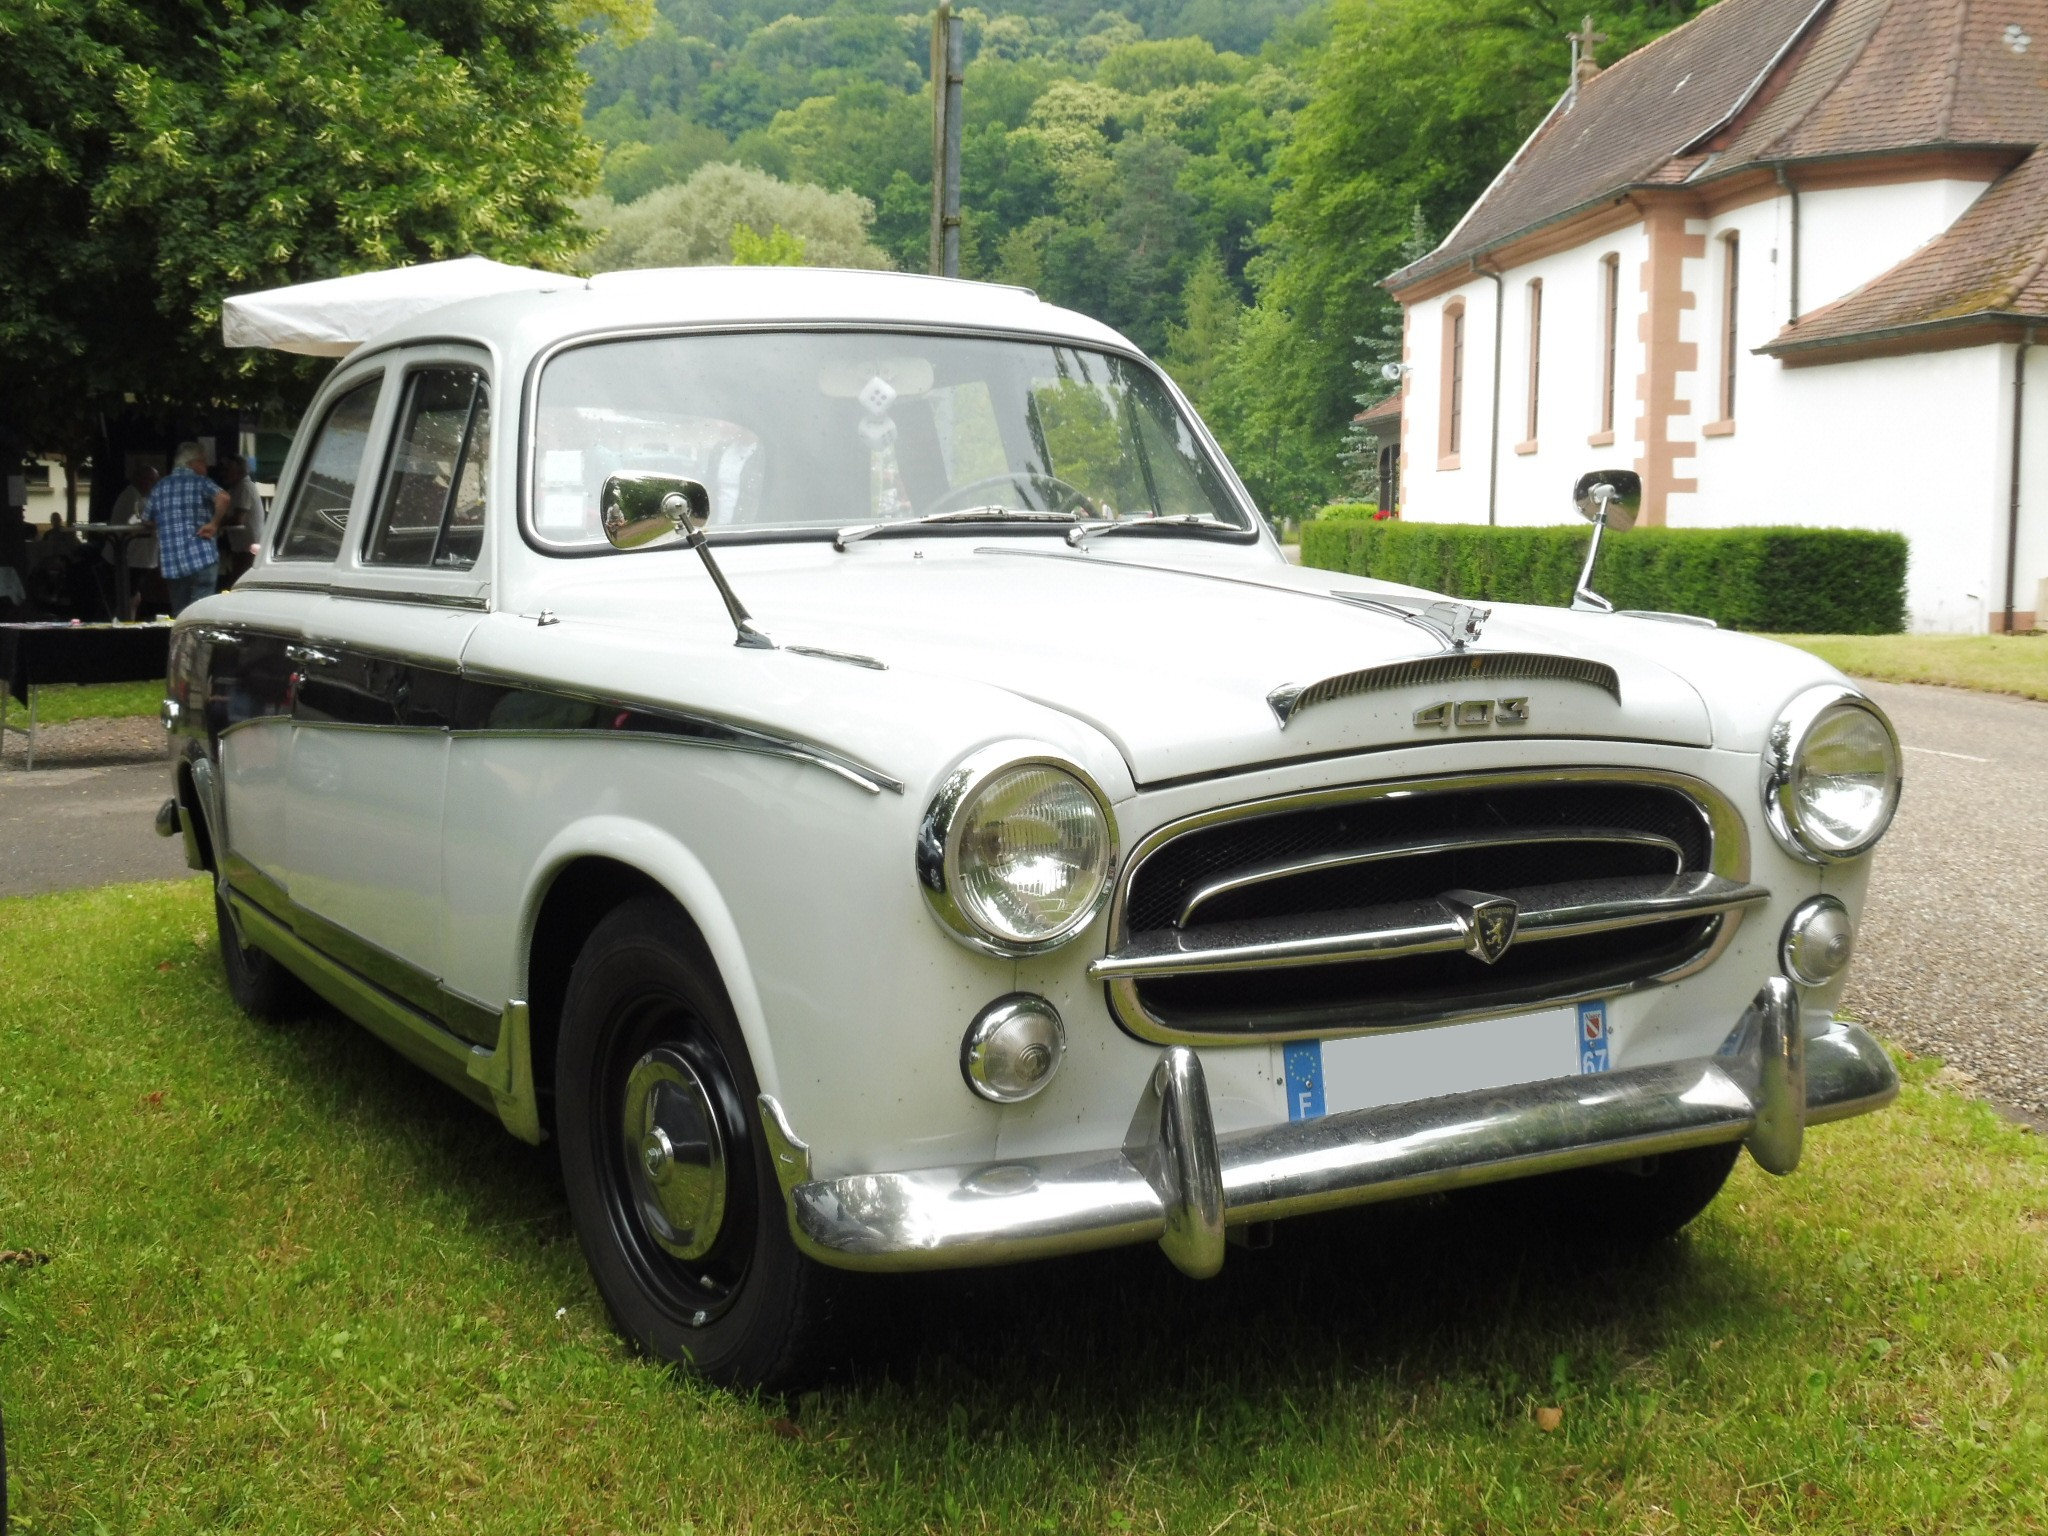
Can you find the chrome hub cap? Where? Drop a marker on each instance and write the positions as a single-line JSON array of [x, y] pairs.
[[675, 1156]]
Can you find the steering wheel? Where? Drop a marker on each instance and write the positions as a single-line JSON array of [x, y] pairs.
[[1066, 497]]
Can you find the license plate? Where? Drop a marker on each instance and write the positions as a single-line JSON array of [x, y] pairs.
[[1329, 1077]]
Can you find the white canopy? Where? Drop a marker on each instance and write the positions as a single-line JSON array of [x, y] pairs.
[[333, 318]]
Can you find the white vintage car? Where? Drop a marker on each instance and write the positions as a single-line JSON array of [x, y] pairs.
[[841, 754]]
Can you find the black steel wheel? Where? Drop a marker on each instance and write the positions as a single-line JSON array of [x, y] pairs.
[[259, 983], [670, 1182]]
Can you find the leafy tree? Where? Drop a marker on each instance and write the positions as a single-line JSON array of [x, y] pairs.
[[156, 157], [1417, 103], [1199, 350], [698, 223]]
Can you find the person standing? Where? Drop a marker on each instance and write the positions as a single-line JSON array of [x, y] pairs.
[[178, 509], [140, 551], [242, 532]]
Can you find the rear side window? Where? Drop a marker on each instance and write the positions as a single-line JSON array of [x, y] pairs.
[[317, 521], [430, 511]]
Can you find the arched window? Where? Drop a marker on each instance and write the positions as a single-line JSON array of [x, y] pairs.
[[1535, 355], [1610, 324], [1731, 278], [1451, 425]]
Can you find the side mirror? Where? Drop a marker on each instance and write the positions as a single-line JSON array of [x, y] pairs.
[[1606, 498], [647, 511], [1622, 500]]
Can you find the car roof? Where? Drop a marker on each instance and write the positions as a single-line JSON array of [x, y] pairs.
[[684, 297]]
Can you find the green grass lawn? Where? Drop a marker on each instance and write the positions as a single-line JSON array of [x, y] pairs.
[[292, 1286], [88, 701], [1994, 663]]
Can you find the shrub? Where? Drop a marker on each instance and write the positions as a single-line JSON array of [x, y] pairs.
[[1348, 512], [1846, 581]]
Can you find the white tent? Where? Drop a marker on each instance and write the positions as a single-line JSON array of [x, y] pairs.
[[333, 318]]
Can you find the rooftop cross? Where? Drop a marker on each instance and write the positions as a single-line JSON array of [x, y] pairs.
[[1584, 67]]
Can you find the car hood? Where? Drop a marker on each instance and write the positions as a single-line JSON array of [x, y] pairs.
[[1177, 666]]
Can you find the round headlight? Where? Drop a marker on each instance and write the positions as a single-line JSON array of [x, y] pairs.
[[1831, 775], [1015, 855]]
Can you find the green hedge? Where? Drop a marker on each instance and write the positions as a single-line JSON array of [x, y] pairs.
[[1812, 581]]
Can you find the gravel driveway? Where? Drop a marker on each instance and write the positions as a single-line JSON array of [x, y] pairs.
[[1951, 959]]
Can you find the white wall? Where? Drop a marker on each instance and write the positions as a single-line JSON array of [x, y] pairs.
[[1849, 235], [1536, 487]]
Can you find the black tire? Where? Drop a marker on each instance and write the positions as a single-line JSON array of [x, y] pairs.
[[644, 1008], [259, 983], [1620, 1207]]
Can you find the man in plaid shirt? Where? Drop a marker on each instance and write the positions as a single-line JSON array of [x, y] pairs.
[[178, 509]]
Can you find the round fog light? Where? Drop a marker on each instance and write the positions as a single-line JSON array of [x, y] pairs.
[[1819, 938], [1013, 1048]]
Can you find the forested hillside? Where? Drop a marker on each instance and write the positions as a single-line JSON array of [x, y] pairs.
[[1223, 180]]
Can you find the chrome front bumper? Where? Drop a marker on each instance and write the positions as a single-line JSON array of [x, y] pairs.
[[1176, 1182]]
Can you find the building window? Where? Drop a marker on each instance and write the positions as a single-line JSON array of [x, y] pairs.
[[1451, 432], [1610, 323], [1535, 354], [1731, 277]]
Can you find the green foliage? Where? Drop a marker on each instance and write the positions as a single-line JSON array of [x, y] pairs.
[[777, 248], [1843, 581], [155, 158], [699, 224], [1348, 512]]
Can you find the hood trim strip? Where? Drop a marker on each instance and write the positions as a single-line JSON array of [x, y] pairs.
[[1290, 699]]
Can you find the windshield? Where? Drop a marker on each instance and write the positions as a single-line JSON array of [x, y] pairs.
[[794, 429]]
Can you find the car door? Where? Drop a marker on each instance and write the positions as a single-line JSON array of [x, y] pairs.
[[253, 662], [376, 688]]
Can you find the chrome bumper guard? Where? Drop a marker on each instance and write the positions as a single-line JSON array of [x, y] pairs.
[[1176, 1182]]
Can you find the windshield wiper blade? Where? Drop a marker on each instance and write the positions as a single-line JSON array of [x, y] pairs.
[[1200, 521], [989, 514]]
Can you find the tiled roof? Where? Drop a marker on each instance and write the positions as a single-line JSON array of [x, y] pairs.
[[1992, 263], [1757, 82], [1381, 410]]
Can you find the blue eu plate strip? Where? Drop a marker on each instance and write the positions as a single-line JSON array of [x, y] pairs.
[[1304, 1079], [1593, 1055]]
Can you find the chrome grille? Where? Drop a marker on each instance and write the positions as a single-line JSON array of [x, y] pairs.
[[1350, 911]]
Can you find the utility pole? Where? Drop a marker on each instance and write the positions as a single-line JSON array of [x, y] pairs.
[[947, 71]]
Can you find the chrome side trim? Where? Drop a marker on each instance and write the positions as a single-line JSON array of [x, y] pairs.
[[406, 1030], [1728, 858], [1000, 1212], [507, 1072], [700, 729], [1422, 927], [1291, 699], [1421, 848]]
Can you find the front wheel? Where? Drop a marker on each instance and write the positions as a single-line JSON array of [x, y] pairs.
[[668, 1175], [1617, 1207]]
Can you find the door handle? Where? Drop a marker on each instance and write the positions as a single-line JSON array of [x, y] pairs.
[[310, 656]]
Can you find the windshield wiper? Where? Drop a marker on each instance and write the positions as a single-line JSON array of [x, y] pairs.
[[991, 514], [1200, 521]]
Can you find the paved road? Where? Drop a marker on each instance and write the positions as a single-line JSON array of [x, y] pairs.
[[66, 827], [1951, 959]]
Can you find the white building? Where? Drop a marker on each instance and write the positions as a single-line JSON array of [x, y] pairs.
[[1788, 262]]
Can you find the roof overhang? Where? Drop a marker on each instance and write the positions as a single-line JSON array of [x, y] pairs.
[[1948, 334]]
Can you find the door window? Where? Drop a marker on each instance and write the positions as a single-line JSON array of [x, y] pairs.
[[431, 511], [317, 520]]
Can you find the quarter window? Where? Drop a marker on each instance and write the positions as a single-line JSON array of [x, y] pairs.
[[317, 520], [431, 510]]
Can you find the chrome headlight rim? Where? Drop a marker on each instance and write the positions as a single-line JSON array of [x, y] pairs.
[[1787, 742], [938, 845]]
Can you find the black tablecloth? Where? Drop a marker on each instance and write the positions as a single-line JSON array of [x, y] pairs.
[[82, 653]]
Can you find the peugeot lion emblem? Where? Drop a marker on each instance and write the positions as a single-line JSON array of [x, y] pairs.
[[1488, 921]]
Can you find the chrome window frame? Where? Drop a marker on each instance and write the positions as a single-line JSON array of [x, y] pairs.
[[1728, 856], [1256, 531]]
